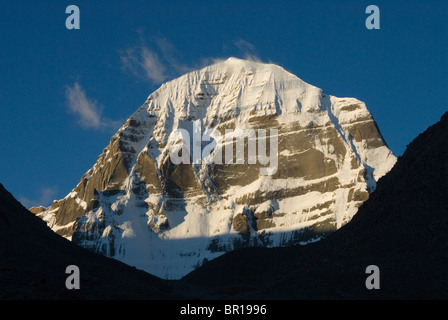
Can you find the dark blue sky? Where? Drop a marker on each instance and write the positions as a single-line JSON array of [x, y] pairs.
[[64, 93]]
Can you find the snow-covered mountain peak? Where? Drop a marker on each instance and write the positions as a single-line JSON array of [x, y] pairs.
[[230, 88], [174, 189]]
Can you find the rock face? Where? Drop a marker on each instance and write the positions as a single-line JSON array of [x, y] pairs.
[[236, 154], [402, 229]]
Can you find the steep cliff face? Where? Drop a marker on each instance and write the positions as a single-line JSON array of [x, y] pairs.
[[236, 154], [402, 229]]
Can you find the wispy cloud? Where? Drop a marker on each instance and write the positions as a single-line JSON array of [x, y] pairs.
[[247, 49], [46, 197], [88, 111], [158, 60], [244, 45], [143, 62], [155, 61], [239, 48], [171, 56]]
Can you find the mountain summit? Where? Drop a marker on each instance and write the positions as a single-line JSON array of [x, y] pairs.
[[236, 154]]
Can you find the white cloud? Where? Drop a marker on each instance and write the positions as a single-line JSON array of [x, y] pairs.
[[88, 111]]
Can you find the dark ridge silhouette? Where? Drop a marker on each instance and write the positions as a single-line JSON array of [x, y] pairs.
[[401, 228], [33, 261]]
